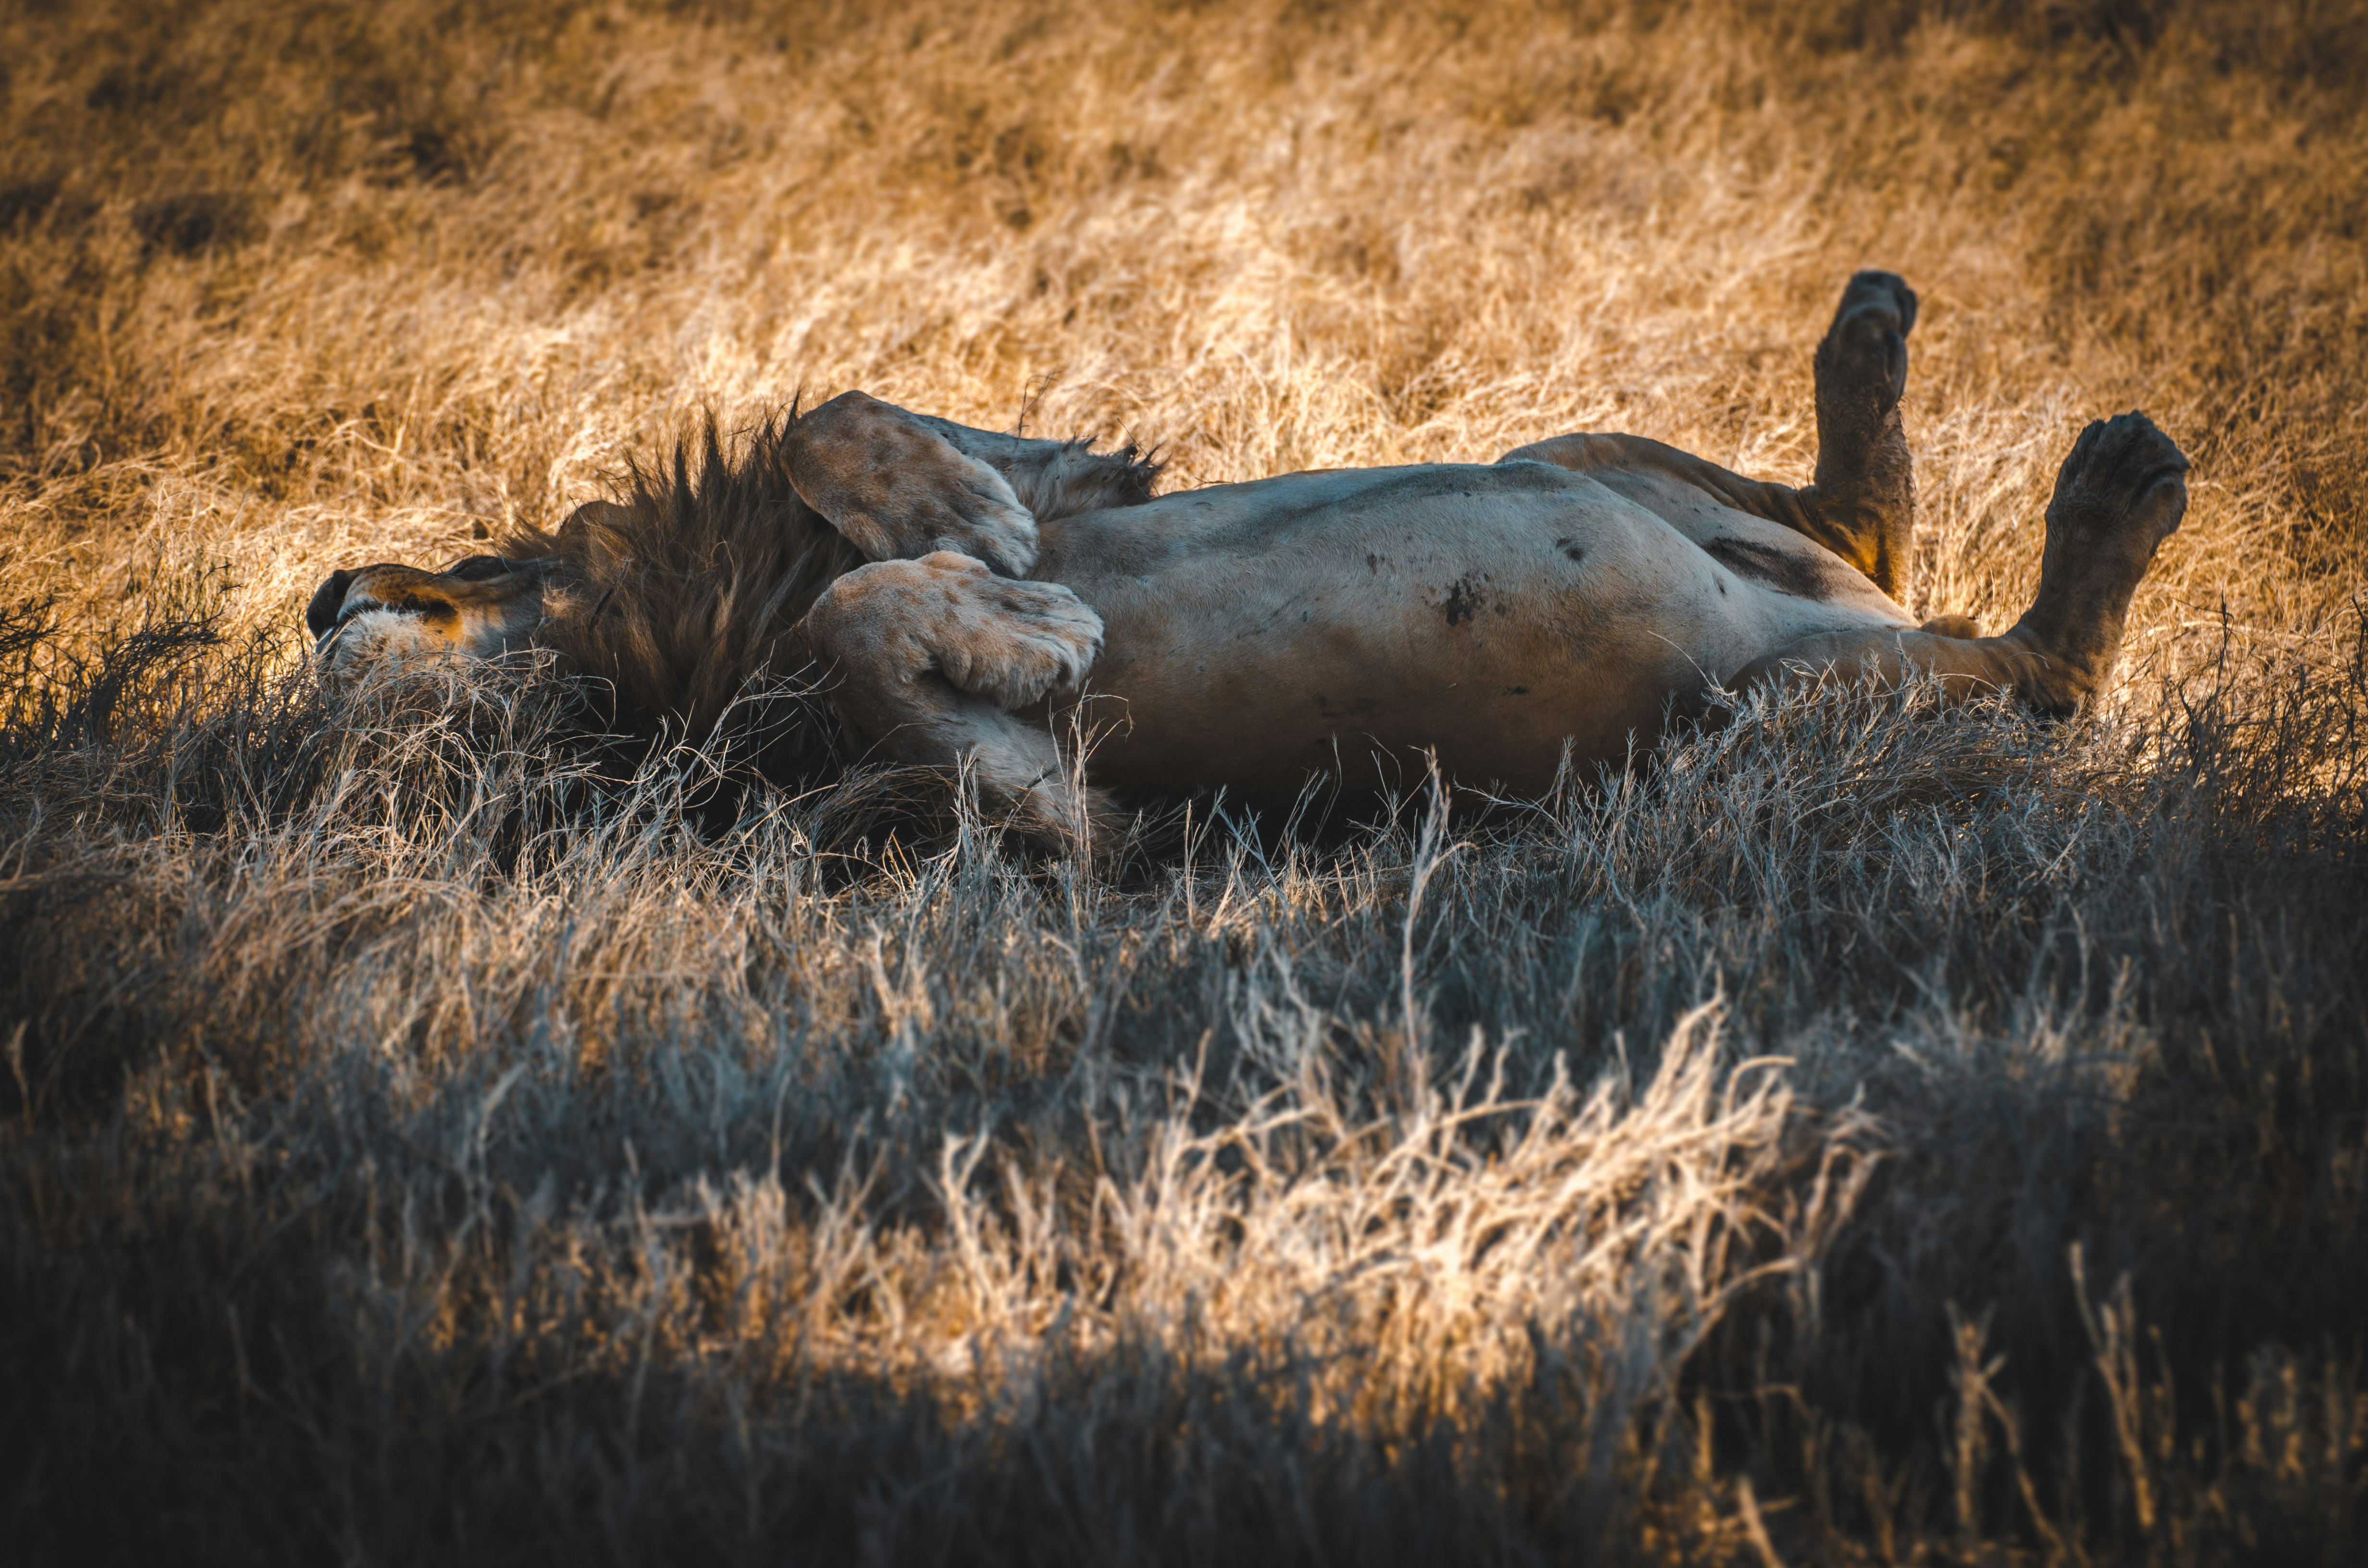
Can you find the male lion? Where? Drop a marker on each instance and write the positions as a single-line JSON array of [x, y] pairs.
[[968, 592]]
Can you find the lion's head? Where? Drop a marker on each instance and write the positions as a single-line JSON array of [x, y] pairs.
[[673, 598], [477, 609]]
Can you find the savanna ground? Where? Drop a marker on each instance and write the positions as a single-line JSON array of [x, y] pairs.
[[1861, 1135]]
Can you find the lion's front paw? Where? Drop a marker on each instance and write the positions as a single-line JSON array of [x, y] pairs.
[[984, 520], [898, 491], [1007, 642], [1011, 643]]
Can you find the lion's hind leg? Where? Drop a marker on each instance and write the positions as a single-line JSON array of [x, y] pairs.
[[932, 658], [1863, 505], [2121, 492]]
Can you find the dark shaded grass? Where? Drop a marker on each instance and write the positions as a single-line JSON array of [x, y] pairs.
[[2079, 1010]]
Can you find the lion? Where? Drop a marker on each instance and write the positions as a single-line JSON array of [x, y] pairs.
[[1032, 610]]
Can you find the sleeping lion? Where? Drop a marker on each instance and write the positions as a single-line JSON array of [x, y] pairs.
[[995, 602]]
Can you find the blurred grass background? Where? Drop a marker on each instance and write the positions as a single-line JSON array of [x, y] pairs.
[[416, 1151]]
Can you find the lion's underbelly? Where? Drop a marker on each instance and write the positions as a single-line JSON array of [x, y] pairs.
[[1346, 622]]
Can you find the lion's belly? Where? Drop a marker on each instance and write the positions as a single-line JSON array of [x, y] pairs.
[[1317, 621]]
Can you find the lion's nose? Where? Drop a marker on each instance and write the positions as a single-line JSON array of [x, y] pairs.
[[321, 613]]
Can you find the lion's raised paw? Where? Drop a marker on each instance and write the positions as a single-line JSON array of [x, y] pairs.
[[899, 491]]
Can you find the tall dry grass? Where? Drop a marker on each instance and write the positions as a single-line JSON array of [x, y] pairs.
[[1863, 1133]]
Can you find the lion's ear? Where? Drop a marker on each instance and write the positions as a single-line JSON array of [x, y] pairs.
[[593, 515]]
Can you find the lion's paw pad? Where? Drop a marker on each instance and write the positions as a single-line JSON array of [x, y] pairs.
[[2113, 465], [1866, 348], [1880, 300]]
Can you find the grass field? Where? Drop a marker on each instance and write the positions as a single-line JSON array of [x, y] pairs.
[[1865, 1133]]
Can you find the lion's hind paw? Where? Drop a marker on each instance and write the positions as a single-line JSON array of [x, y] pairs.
[[1865, 349], [2123, 471], [1883, 300]]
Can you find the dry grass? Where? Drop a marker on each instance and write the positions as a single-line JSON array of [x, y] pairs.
[[1861, 1135]]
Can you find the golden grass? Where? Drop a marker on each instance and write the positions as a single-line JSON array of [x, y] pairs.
[[1857, 1135]]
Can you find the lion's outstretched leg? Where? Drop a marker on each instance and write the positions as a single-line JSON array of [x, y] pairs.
[[1056, 479], [932, 657], [2120, 494]]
